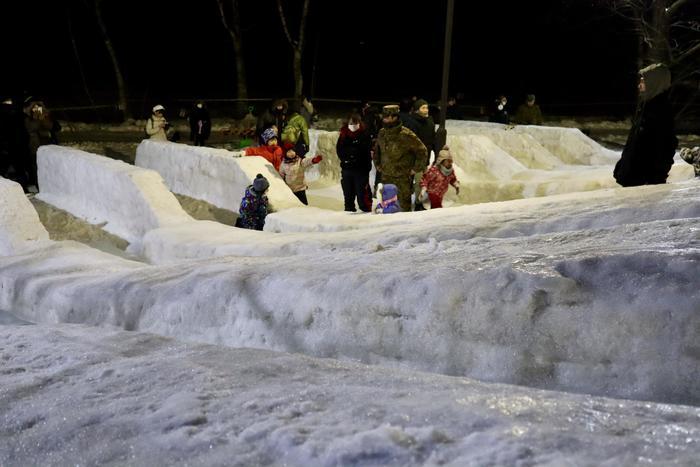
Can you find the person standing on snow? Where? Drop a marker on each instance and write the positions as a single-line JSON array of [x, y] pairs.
[[354, 151], [254, 205], [499, 114], [399, 154], [275, 116], [438, 178], [651, 144], [529, 113], [42, 129], [297, 130], [423, 125], [14, 143], [292, 171], [157, 125], [200, 124]]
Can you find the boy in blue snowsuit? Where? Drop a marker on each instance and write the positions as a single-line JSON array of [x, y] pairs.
[[254, 204]]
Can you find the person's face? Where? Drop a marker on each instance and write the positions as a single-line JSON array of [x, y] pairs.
[[291, 155], [159, 113], [389, 119], [272, 142], [423, 110], [531, 103], [642, 85], [447, 163]]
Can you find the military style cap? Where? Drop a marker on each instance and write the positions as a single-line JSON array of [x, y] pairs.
[[389, 110]]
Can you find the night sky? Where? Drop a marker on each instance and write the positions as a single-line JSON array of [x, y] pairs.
[[568, 52]]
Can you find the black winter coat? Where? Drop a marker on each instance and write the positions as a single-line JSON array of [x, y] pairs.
[[424, 128], [196, 116], [353, 149], [651, 145]]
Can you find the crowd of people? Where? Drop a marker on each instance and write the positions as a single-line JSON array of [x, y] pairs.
[[398, 141]]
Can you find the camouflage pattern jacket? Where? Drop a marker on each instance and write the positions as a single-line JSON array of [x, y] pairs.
[[399, 151]]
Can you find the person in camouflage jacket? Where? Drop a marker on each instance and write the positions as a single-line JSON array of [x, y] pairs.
[[692, 157], [399, 154]]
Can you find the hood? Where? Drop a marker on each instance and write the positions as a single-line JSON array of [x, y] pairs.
[[389, 191], [657, 79]]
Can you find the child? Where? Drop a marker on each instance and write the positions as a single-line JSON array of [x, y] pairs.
[[270, 151], [292, 171], [253, 208], [692, 157], [437, 178], [388, 199]]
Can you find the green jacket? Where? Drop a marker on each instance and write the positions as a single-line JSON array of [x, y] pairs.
[[296, 128], [529, 115], [399, 150]]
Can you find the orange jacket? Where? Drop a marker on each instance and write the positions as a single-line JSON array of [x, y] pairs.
[[273, 154]]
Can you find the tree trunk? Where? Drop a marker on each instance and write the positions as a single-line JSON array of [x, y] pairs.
[[234, 30], [121, 85], [660, 47], [296, 45], [298, 75]]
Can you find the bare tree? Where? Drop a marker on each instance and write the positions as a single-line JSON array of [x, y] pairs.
[[121, 85], [77, 56], [668, 31], [296, 45], [233, 26]]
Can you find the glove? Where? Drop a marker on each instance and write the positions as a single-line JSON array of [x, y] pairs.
[[317, 159], [423, 193], [457, 189]]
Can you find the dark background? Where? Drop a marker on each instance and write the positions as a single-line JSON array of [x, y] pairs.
[[576, 57]]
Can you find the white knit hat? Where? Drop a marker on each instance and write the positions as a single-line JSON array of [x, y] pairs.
[[157, 108]]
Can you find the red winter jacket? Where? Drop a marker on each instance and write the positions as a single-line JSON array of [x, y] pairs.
[[273, 154], [436, 183]]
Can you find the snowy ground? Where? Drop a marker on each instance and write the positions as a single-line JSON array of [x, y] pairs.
[[592, 293]]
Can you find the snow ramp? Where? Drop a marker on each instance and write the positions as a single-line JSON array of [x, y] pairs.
[[19, 221]]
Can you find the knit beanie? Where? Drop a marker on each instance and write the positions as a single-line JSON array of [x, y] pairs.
[[260, 184], [268, 134], [444, 154], [418, 104]]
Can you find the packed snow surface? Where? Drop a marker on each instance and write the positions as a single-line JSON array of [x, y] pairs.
[[593, 293], [77, 395]]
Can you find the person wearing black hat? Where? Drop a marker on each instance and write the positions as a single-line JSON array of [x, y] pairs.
[[200, 124], [423, 125], [254, 205], [14, 144]]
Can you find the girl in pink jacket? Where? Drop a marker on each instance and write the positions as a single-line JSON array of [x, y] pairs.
[[437, 178]]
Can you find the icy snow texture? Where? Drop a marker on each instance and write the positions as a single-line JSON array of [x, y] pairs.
[[75, 395], [128, 200], [217, 176], [19, 222], [596, 294]]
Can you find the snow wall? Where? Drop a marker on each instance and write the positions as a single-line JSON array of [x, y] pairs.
[[19, 221], [217, 176], [128, 200]]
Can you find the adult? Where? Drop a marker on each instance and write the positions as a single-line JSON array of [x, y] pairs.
[[274, 117], [354, 151], [14, 143], [499, 112], [156, 125], [529, 113], [296, 131], [399, 154], [41, 129], [200, 124], [423, 125], [651, 144]]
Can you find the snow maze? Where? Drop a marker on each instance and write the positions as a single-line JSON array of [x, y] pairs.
[[566, 282]]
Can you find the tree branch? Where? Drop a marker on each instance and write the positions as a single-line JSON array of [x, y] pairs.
[[284, 24], [675, 6], [687, 54], [302, 27], [233, 34]]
